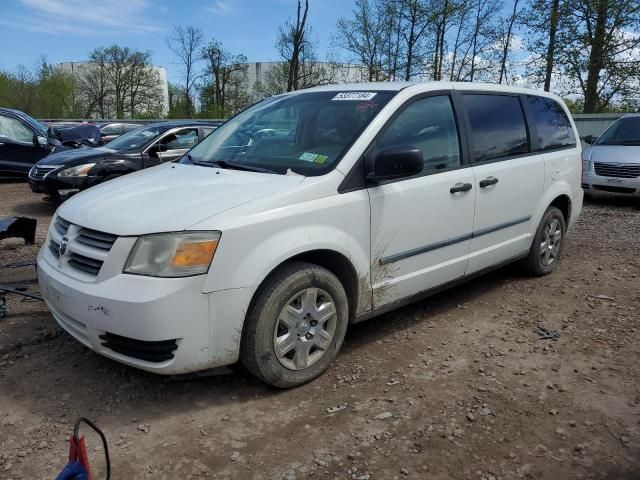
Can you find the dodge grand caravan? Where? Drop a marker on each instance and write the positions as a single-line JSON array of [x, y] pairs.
[[306, 212]]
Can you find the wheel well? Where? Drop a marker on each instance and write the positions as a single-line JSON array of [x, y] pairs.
[[563, 202], [341, 267], [337, 264]]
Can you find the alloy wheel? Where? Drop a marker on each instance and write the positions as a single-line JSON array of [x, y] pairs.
[[305, 328], [551, 242]]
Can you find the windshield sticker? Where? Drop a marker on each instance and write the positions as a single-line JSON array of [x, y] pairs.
[[313, 158], [357, 96], [366, 105]]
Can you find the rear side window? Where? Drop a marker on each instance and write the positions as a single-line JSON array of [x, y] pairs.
[[552, 124], [430, 125], [498, 128]]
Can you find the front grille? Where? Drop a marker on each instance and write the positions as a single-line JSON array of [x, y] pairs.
[[611, 189], [55, 248], [61, 226], [628, 170], [93, 238], [86, 249], [86, 264], [38, 172], [143, 350]]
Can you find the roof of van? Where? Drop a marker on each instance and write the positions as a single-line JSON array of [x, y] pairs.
[[397, 86]]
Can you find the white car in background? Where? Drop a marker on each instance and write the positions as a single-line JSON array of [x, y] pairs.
[[307, 212], [611, 164]]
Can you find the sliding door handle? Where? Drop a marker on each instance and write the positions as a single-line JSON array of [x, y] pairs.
[[461, 187], [487, 182]]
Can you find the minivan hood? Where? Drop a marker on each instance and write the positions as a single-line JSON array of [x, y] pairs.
[[167, 198], [76, 156], [613, 153]]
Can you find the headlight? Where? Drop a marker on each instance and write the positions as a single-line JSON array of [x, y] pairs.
[[79, 171], [173, 254], [586, 166]]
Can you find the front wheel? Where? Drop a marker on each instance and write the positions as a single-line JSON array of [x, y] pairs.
[[546, 248], [296, 325]]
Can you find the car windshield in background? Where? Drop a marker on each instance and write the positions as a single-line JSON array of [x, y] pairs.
[[135, 139], [305, 132], [625, 131]]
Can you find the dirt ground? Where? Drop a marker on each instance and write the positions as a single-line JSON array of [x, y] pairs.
[[455, 387]]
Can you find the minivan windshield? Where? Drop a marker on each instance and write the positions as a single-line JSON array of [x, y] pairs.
[[306, 132], [625, 131], [135, 139]]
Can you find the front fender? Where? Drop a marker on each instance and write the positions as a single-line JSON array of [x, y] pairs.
[[257, 244]]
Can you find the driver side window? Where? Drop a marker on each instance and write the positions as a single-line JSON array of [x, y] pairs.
[[428, 124], [15, 130], [180, 140]]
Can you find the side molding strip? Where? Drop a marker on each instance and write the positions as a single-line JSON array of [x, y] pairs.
[[434, 246]]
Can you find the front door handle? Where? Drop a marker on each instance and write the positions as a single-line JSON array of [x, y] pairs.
[[487, 182], [461, 187]]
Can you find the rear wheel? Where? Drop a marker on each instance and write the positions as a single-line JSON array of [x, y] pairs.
[[296, 325], [546, 248]]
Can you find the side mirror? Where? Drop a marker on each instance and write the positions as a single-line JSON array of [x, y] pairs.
[[393, 163], [590, 139], [39, 141]]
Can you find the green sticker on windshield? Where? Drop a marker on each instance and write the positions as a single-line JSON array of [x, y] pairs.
[[313, 158]]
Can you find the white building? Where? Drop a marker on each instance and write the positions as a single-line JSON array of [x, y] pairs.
[[257, 72], [77, 69]]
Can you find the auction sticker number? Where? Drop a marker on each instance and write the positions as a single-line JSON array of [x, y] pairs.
[[357, 96]]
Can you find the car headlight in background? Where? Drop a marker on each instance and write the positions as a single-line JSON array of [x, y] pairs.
[[79, 171], [586, 166], [173, 254]]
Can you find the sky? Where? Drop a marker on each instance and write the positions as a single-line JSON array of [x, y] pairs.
[[66, 30]]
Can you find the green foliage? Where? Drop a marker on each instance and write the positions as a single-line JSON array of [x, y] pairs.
[[44, 93]]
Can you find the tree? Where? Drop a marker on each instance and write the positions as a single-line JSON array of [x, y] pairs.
[[93, 83], [474, 52], [186, 43], [361, 37], [145, 94], [300, 63], [227, 73], [545, 21], [292, 43], [415, 21], [599, 50], [444, 15], [506, 40]]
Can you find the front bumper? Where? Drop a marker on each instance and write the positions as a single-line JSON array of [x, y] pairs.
[[62, 186], [148, 313], [593, 183]]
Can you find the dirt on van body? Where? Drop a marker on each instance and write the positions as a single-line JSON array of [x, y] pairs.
[[459, 386]]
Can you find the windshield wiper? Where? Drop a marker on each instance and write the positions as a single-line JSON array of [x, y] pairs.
[[230, 165]]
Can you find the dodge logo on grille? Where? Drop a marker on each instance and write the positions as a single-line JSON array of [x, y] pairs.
[[63, 245]]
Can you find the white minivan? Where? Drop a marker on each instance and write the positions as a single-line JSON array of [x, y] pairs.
[[307, 212]]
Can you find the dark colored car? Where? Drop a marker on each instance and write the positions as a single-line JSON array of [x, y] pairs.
[[111, 131], [24, 140], [77, 134], [68, 172]]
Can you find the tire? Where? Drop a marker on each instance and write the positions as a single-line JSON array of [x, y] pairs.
[[280, 344], [546, 248]]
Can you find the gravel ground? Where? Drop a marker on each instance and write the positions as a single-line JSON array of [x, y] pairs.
[[455, 387]]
